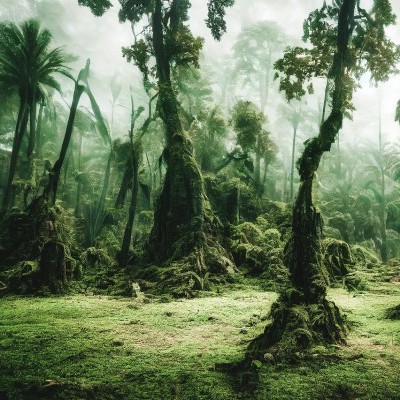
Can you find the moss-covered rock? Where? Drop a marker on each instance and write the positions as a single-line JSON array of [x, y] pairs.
[[330, 232], [258, 249], [23, 278], [356, 281], [364, 257], [337, 257], [393, 312], [344, 223]]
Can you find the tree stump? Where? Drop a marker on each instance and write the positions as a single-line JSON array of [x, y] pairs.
[[52, 266]]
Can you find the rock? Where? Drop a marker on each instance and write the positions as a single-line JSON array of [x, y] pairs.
[[256, 364], [269, 358]]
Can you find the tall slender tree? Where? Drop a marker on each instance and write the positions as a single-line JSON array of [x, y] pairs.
[[27, 63], [254, 52], [356, 39]]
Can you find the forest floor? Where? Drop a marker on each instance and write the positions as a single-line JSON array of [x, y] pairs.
[[97, 347]]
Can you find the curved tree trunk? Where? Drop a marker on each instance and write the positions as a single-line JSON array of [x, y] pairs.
[[78, 211], [302, 315], [51, 188]]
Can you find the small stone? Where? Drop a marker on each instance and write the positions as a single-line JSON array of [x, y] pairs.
[[256, 364], [269, 358]]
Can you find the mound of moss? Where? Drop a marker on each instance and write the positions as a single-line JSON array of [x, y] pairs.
[[258, 250], [393, 312], [337, 257]]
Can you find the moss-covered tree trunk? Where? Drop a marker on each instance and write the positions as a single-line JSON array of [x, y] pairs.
[[302, 315], [180, 210], [52, 266], [52, 186], [126, 241], [124, 187], [292, 166]]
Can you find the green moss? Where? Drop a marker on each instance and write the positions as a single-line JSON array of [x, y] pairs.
[[112, 348], [337, 257], [393, 312], [363, 256]]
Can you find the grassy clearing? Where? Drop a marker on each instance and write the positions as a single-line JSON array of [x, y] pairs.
[[95, 347]]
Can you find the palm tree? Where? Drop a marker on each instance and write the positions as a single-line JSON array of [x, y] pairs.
[[27, 65]]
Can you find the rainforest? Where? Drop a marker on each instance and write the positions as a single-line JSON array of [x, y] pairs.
[[199, 200]]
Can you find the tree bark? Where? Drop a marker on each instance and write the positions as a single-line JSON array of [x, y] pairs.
[[79, 183], [51, 188], [302, 315], [292, 165], [20, 129], [39, 130], [180, 210], [32, 127], [125, 183], [124, 253]]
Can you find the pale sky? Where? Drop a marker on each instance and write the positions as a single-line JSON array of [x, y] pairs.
[[101, 39]]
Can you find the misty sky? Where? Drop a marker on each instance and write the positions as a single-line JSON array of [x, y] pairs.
[[101, 39]]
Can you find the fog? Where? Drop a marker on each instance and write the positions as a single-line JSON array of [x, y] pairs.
[[101, 39]]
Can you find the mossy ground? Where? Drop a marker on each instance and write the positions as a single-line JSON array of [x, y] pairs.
[[97, 347]]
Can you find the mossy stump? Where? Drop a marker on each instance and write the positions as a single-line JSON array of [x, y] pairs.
[[296, 327], [53, 266]]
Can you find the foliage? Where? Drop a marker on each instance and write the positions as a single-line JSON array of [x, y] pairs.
[[98, 7], [258, 250], [216, 13], [369, 50], [26, 60], [254, 51]]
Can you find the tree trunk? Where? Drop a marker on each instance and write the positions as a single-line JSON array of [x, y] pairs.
[[52, 266], [51, 189], [125, 183], [20, 129], [79, 183], [302, 316], [257, 168], [292, 166], [38, 131], [180, 210], [124, 253], [32, 127], [98, 223], [183, 223]]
